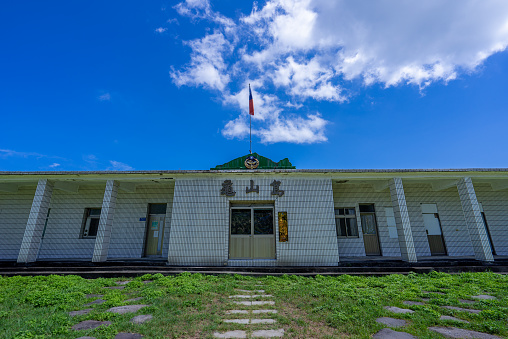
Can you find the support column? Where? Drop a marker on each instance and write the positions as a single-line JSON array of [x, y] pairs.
[[406, 244], [100, 252], [35, 223], [474, 220]]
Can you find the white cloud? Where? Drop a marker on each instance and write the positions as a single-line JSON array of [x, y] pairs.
[[312, 50], [54, 165], [6, 153], [118, 166], [161, 30], [104, 97], [207, 67]]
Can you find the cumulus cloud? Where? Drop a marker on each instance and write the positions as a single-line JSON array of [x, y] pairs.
[[312, 50], [54, 165], [161, 30]]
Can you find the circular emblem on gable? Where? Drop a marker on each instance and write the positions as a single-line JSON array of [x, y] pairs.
[[251, 162]]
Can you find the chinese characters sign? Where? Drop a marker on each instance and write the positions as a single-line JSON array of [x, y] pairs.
[[227, 188]]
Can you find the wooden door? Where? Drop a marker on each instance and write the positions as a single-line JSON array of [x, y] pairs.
[[433, 229], [370, 236], [154, 234]]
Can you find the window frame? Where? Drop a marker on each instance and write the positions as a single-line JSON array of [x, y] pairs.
[[345, 217], [86, 216]]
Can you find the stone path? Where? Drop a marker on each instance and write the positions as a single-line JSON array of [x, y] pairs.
[[453, 332], [249, 294]]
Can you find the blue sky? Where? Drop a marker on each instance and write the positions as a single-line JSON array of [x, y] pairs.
[[164, 85]]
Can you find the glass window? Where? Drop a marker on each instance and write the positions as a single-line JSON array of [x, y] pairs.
[[240, 221], [345, 222], [91, 222], [263, 221], [157, 209]]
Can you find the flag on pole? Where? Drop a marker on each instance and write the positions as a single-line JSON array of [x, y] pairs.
[[251, 103]]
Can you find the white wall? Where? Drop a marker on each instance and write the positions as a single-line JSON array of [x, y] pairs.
[[62, 239], [14, 211], [453, 223], [351, 195], [200, 223], [128, 233], [495, 206]]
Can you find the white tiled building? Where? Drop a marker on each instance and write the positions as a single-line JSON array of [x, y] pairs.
[[238, 217]]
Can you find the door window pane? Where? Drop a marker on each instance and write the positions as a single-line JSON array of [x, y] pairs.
[[94, 226], [263, 221], [368, 224], [240, 221]]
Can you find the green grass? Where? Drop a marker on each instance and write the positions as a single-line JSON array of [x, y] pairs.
[[192, 305]]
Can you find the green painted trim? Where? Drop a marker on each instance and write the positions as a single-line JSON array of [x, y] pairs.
[[264, 163]]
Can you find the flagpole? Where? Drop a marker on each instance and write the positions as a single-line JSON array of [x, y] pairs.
[[250, 135]]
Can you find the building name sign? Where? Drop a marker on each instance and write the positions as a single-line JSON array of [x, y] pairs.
[[228, 190]]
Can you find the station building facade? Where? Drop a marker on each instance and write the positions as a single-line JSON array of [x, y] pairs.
[[254, 212]]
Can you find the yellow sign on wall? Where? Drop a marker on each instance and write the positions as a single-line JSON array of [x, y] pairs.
[[283, 226]]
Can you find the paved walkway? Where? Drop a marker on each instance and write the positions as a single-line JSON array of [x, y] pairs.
[[247, 303]]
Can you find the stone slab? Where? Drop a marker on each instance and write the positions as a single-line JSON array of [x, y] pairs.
[[231, 334], [90, 324], [398, 310], [115, 287], [241, 296], [80, 312], [237, 312], [263, 321], [447, 317], [245, 303], [425, 299], [453, 332], [392, 322], [126, 309], [264, 311], [440, 293], [410, 303], [94, 295], [263, 303], [483, 297], [133, 299], [268, 333], [462, 309], [147, 281], [387, 333], [140, 319], [123, 335], [123, 282], [237, 321], [96, 302]]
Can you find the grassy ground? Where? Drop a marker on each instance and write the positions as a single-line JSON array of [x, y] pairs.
[[192, 305]]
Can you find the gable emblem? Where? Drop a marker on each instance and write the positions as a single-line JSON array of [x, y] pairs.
[[251, 162]]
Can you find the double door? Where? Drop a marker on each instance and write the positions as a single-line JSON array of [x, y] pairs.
[[252, 234]]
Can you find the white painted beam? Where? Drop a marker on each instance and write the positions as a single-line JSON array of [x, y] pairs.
[[11, 188], [127, 187], [66, 186], [443, 184], [499, 185]]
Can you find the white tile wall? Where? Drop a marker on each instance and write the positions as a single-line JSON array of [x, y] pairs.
[[453, 224], [200, 223], [495, 207], [62, 238], [351, 195], [14, 211], [63, 232]]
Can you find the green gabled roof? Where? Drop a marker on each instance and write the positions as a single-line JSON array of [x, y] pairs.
[[264, 163]]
